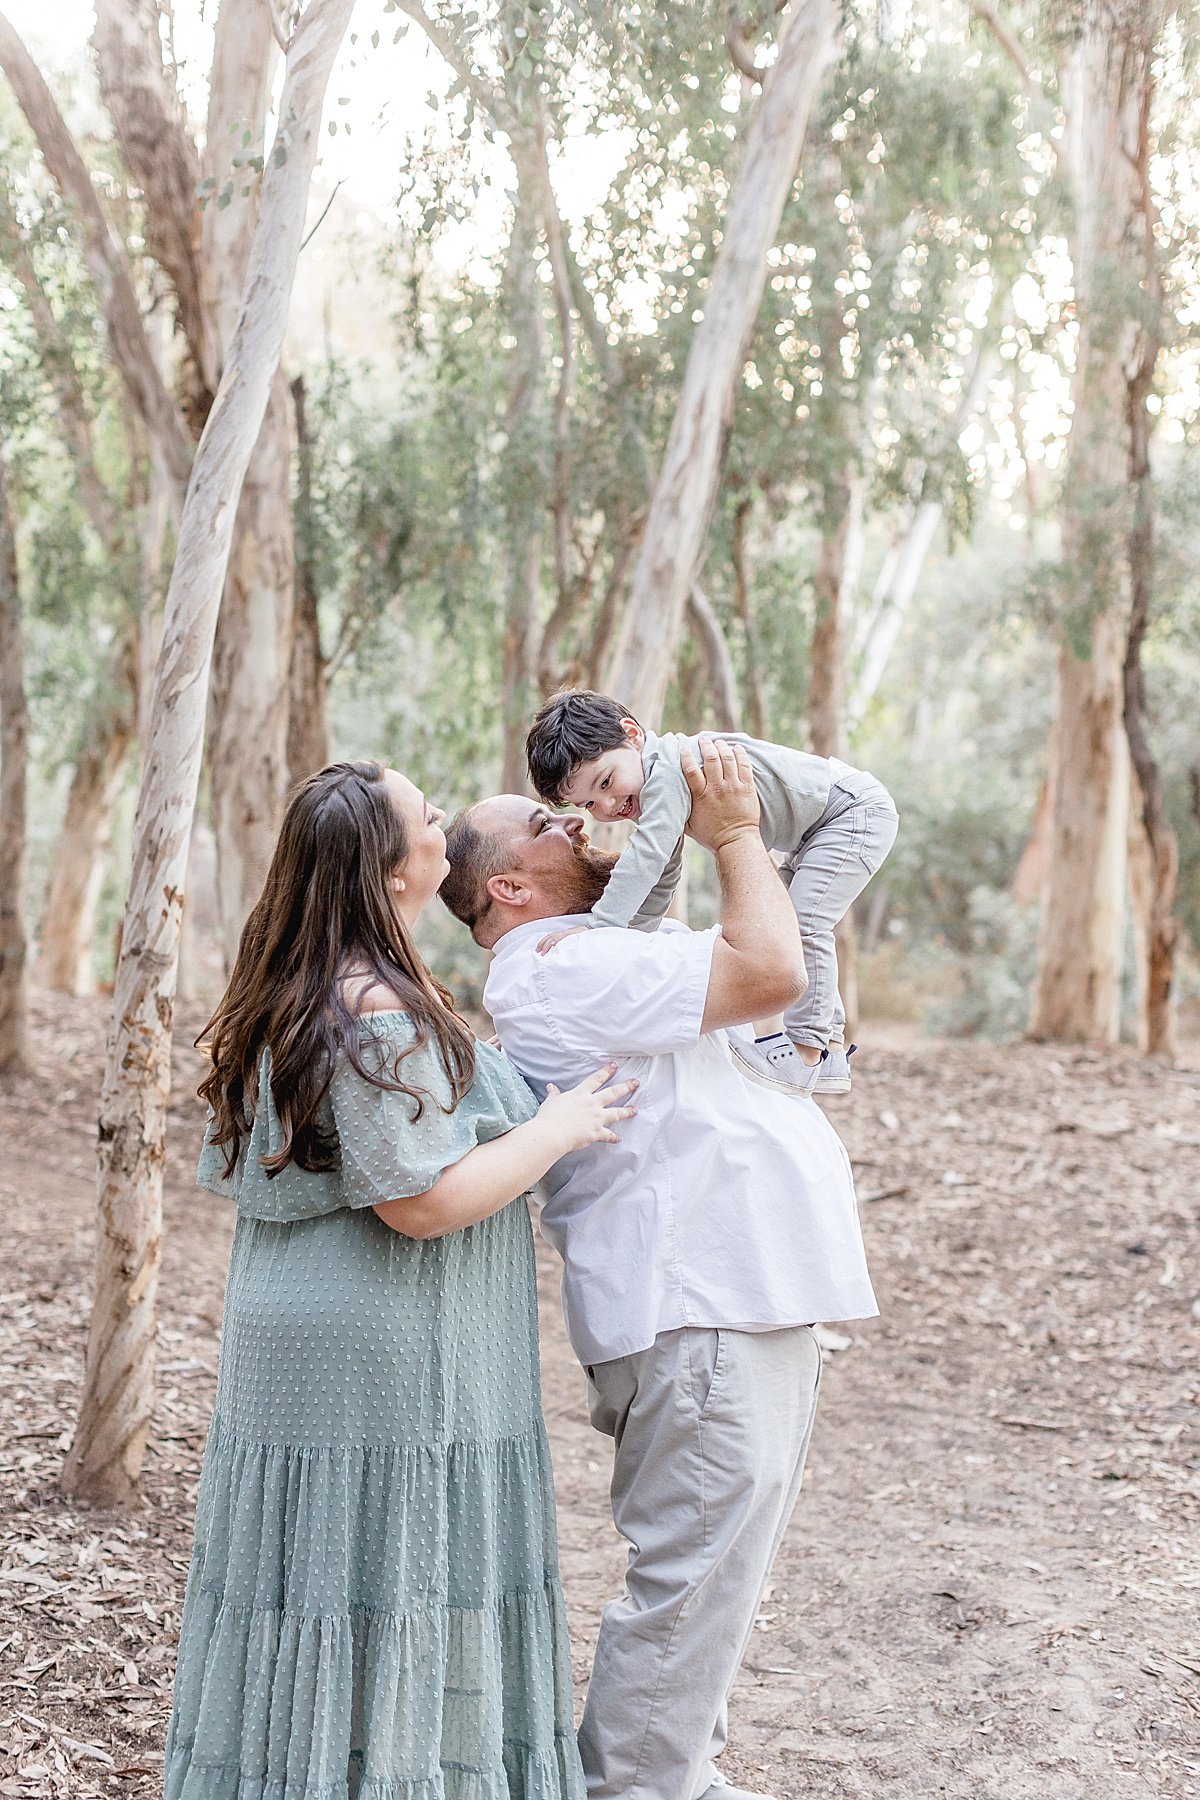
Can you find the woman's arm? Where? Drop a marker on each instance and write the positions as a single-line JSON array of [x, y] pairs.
[[491, 1175]]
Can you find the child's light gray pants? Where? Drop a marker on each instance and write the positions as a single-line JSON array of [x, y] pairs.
[[710, 1429], [835, 860]]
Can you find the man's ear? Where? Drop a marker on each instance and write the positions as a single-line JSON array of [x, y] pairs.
[[633, 732], [508, 890]]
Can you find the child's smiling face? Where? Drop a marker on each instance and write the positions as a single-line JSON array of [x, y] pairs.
[[610, 785]]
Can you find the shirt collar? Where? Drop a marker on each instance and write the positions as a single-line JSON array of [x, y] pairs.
[[521, 934]]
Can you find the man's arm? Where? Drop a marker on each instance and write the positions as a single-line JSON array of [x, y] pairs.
[[758, 962]]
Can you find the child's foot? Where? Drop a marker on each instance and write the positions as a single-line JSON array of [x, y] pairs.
[[834, 1076], [775, 1062]]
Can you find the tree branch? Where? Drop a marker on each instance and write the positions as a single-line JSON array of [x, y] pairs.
[[152, 134], [493, 102], [75, 414], [106, 261]]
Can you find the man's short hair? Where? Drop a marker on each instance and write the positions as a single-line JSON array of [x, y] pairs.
[[572, 728], [474, 857]]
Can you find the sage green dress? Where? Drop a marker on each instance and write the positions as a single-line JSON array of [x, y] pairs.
[[373, 1610]]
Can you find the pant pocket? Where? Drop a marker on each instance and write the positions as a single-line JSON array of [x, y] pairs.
[[715, 1374]]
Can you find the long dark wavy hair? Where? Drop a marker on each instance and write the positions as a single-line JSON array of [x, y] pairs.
[[326, 909]]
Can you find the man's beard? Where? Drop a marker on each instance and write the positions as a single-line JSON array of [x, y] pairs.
[[578, 886]]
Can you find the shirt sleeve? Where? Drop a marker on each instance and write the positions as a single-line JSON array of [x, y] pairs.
[[387, 1152], [647, 869], [624, 993]]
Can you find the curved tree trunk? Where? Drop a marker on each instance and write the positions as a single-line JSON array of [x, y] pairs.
[[106, 1456], [681, 506], [14, 753]]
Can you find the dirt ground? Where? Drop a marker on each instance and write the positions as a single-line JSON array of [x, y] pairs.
[[990, 1587]]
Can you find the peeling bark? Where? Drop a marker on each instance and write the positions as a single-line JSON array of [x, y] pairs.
[[105, 1459]]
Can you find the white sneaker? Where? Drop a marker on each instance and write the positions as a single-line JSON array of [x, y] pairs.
[[774, 1062], [835, 1070]]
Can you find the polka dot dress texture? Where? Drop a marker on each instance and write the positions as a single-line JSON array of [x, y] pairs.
[[373, 1610]]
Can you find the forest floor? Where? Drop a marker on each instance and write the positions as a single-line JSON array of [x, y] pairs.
[[991, 1585]]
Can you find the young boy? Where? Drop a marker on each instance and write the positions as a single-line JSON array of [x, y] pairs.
[[833, 823]]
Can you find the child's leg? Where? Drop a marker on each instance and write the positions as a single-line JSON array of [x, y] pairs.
[[829, 872]]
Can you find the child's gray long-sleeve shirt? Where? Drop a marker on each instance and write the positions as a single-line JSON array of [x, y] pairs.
[[793, 792]]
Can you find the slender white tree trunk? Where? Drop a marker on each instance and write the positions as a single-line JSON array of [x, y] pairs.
[[250, 693], [106, 1456], [526, 502], [250, 689], [14, 754], [681, 506]]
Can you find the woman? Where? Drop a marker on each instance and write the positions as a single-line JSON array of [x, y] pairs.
[[373, 1606]]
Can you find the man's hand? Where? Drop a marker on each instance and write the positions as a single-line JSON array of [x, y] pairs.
[[724, 797]]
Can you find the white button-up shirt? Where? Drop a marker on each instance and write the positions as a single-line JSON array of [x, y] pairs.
[[725, 1203]]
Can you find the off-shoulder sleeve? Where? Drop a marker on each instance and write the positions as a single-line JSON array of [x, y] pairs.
[[387, 1151]]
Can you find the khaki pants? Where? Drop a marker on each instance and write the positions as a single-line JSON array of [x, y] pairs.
[[710, 1430]]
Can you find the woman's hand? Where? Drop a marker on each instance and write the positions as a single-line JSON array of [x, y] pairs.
[[586, 1114]]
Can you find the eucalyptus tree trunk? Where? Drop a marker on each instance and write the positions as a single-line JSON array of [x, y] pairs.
[[1078, 986], [681, 506], [252, 660], [106, 1457], [879, 632], [835, 581], [107, 264], [838, 570], [1154, 849], [205, 254], [69, 920], [725, 703], [308, 730], [525, 506], [14, 754]]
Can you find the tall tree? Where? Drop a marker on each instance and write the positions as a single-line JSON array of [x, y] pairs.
[[106, 1456], [204, 253], [1107, 84], [672, 544]]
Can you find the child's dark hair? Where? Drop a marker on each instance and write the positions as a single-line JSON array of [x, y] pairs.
[[572, 728]]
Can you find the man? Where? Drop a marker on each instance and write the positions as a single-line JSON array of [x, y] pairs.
[[696, 1253]]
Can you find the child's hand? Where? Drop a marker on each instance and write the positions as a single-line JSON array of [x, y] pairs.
[[556, 937]]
